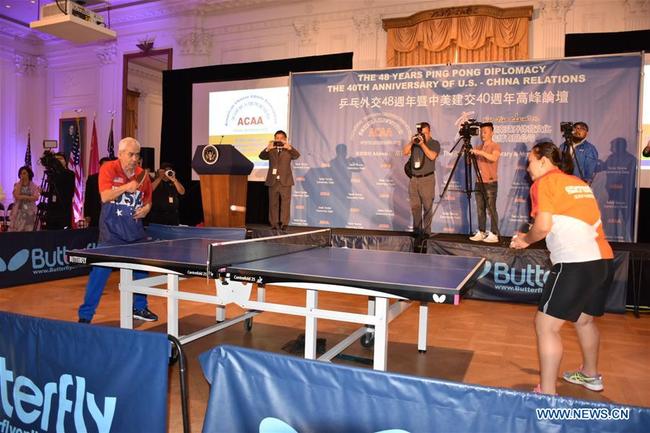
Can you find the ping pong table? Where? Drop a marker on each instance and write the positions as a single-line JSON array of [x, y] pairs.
[[390, 281]]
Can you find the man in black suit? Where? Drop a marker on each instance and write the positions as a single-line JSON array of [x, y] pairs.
[[92, 200], [61, 191], [279, 178]]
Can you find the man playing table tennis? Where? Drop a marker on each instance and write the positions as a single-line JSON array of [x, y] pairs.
[[125, 190]]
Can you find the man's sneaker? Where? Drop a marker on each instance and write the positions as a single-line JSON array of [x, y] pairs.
[[478, 236], [490, 238], [579, 378], [145, 314]]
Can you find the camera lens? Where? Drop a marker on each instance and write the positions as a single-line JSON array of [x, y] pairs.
[[170, 173]]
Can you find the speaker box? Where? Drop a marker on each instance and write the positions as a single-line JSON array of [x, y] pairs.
[[148, 156]]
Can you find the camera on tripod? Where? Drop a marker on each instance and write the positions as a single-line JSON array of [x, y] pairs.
[[469, 128], [50, 163], [567, 129]]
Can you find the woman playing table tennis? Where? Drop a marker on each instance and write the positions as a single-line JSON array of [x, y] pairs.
[[566, 214]]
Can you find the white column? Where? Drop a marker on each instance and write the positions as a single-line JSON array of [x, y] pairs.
[[550, 28]]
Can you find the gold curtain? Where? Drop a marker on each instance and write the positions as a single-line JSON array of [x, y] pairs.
[[458, 35], [131, 119]]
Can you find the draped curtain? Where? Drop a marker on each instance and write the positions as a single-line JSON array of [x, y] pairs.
[[458, 35]]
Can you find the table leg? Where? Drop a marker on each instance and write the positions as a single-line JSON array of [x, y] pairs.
[[381, 334], [126, 298], [422, 327], [172, 305], [311, 324]]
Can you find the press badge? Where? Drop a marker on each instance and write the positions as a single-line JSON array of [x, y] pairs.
[[275, 171], [416, 164], [171, 199]]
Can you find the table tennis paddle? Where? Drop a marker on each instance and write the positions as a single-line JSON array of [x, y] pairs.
[[141, 177]]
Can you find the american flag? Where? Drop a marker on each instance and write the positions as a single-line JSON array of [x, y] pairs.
[[93, 162], [74, 164], [28, 151]]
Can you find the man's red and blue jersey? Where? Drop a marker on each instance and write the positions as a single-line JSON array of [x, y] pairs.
[[116, 222]]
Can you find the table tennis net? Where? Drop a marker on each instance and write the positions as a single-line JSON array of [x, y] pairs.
[[224, 254]]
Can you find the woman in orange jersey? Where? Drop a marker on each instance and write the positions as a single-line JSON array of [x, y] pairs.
[[566, 214]]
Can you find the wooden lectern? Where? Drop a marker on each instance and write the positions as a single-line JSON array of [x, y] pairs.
[[223, 173]]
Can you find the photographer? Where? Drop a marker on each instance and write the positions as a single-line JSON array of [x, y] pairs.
[[487, 159], [422, 150], [165, 200], [279, 178], [581, 153], [61, 191]]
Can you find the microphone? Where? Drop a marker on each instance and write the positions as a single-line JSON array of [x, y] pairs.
[[220, 140], [235, 208]]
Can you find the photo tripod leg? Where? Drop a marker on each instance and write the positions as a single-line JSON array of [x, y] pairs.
[[568, 145]]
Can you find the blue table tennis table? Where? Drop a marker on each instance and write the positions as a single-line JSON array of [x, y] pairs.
[[390, 281]]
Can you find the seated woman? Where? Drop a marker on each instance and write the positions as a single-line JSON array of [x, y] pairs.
[[23, 214]]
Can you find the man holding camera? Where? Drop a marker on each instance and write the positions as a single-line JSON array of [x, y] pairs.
[[165, 199], [279, 178], [582, 154], [487, 160], [422, 150]]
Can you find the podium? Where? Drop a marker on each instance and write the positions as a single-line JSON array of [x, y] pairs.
[[223, 173]]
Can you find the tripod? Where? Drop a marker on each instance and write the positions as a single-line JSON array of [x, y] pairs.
[[570, 153], [48, 190], [470, 162]]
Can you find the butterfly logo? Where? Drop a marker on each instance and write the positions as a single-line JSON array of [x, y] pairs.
[[274, 425], [18, 260]]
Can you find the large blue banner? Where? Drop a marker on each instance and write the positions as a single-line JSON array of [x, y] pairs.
[[253, 391], [32, 257], [66, 377], [351, 127]]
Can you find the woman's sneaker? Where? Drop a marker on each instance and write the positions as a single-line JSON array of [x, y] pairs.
[[478, 236], [593, 383]]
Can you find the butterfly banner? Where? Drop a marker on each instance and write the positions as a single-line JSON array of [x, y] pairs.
[[31, 257]]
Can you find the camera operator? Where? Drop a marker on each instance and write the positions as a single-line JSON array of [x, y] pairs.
[[59, 203], [581, 153], [279, 152], [422, 150], [487, 160], [165, 199]]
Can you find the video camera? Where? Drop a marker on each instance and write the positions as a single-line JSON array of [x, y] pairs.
[[50, 163], [469, 128], [567, 129]]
